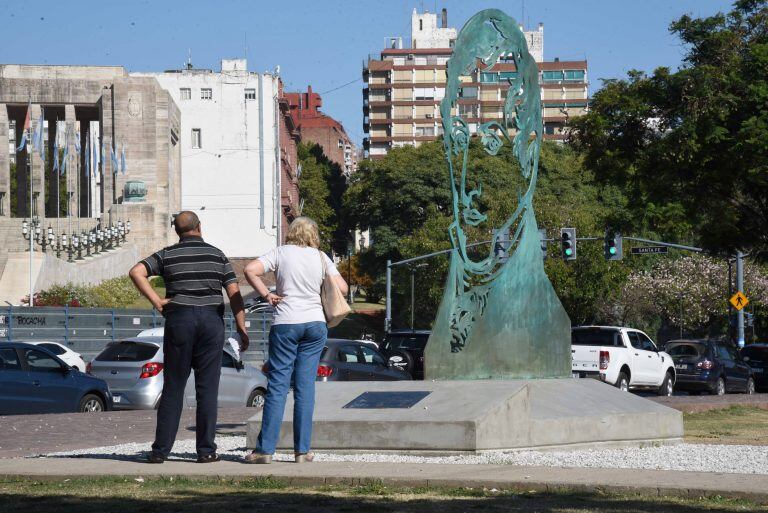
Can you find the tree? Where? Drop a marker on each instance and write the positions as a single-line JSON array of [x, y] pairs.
[[322, 186], [688, 147], [405, 200]]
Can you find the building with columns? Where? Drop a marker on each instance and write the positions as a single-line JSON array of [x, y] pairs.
[[106, 105]]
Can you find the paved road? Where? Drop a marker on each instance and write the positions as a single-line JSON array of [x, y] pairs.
[[502, 477]]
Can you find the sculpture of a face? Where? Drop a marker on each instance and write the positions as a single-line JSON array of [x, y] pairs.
[[488, 37]]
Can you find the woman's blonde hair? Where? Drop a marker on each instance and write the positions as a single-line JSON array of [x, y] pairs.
[[303, 232]]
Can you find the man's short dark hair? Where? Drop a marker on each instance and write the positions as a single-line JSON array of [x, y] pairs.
[[185, 222]]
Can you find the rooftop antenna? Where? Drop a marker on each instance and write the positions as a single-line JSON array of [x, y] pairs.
[[189, 58]]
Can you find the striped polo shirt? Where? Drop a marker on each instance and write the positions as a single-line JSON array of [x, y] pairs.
[[194, 272]]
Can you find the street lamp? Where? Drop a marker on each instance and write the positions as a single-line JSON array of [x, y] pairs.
[[350, 250]]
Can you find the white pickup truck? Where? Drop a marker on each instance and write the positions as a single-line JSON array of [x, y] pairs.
[[623, 357]]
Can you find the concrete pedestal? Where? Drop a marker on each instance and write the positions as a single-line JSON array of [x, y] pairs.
[[476, 416]]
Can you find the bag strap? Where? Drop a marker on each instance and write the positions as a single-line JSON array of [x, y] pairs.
[[325, 266]]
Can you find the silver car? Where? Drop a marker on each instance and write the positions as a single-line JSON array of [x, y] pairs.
[[133, 368]]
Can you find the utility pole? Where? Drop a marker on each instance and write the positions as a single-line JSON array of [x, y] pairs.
[[740, 288]]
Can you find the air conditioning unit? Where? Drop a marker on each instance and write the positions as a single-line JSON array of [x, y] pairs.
[[410, 57], [429, 116]]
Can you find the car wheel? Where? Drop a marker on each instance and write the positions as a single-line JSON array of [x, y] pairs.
[[256, 399], [750, 386], [91, 403], [667, 386], [623, 382], [719, 387]]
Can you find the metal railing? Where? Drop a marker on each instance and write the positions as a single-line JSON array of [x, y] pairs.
[[88, 330]]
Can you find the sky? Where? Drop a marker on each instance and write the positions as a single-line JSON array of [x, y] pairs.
[[324, 43]]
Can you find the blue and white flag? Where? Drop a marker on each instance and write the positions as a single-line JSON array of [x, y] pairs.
[[113, 155], [56, 152], [25, 129], [65, 158], [77, 142], [38, 139], [123, 165], [88, 157], [103, 157], [93, 149]]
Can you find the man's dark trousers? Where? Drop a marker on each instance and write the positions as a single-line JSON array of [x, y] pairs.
[[193, 339]]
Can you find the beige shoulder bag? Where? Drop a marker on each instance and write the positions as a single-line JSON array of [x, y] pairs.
[[335, 306]]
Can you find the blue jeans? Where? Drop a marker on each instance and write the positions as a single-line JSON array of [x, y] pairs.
[[294, 352]]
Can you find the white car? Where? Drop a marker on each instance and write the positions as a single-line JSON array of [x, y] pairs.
[[623, 357], [64, 353]]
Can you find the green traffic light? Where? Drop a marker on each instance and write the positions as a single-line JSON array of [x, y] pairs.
[[612, 250], [568, 252]]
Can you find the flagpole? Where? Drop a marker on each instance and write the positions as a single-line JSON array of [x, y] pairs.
[[58, 177], [31, 302]]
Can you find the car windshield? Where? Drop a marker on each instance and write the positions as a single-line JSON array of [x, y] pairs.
[[688, 349], [758, 354], [406, 341], [127, 352], [596, 337]]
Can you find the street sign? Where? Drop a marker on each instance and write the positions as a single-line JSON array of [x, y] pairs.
[[739, 300], [650, 250]]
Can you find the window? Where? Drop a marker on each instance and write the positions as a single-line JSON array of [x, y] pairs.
[[185, 93], [647, 343], [506, 76], [424, 93], [370, 355], [468, 92], [723, 353], [38, 361], [250, 94], [54, 348], [127, 352], [197, 139], [634, 340], [348, 354], [227, 362], [206, 94], [552, 76], [574, 75], [593, 337], [468, 110], [9, 360], [425, 131], [489, 78]]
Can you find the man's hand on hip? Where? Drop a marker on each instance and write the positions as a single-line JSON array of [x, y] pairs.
[[244, 340]]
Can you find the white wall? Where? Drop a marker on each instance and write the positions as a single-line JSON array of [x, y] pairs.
[[221, 180]]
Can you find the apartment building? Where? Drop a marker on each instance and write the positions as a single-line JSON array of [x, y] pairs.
[[404, 87]]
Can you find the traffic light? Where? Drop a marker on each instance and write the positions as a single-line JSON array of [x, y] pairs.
[[543, 242], [568, 243], [613, 246]]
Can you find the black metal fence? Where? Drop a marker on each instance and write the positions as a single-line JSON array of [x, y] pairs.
[[88, 330]]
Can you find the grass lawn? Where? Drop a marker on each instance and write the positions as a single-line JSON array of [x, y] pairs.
[[129, 495], [734, 425]]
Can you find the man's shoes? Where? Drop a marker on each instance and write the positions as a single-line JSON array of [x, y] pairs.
[[258, 458], [306, 457], [155, 458], [208, 458]]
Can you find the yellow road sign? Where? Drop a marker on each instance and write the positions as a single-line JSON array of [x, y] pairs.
[[739, 300]]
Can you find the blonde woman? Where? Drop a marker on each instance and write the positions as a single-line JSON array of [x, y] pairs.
[[297, 336]]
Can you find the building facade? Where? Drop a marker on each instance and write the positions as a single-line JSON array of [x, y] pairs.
[[404, 87], [106, 108], [317, 127], [231, 124]]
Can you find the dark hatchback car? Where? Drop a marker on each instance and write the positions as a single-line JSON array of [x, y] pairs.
[[711, 366], [351, 360], [404, 349], [34, 380], [756, 355]]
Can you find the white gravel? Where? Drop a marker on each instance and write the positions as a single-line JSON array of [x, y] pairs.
[[739, 459]]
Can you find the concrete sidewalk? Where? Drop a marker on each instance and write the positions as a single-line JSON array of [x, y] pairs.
[[502, 477]]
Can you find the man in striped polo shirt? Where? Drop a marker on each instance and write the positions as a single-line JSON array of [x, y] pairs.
[[194, 273]]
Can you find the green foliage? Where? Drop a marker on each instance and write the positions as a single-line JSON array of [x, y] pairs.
[[321, 186], [113, 293], [414, 221], [688, 147]]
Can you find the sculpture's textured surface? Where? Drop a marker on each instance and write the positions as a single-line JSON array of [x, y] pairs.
[[497, 319]]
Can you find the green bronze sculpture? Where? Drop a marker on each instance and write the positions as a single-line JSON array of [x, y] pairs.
[[498, 319]]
